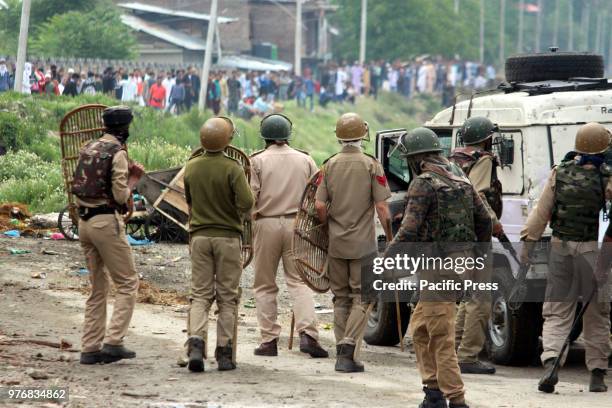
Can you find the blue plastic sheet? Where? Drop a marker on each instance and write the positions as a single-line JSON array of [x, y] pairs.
[[137, 242], [12, 234]]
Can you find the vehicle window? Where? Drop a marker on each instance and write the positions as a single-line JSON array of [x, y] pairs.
[[446, 138]]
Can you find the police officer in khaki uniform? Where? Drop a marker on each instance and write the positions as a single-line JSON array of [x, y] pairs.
[[571, 201], [219, 198], [353, 185], [480, 165], [103, 181], [442, 208], [279, 175]]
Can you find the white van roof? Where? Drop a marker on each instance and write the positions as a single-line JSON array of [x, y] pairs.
[[519, 109]]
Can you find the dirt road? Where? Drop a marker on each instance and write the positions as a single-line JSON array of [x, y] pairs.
[[51, 309]]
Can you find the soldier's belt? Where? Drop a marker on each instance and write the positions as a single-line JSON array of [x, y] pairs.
[[259, 217], [85, 213]]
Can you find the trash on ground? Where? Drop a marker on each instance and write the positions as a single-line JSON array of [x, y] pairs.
[[17, 251], [44, 221], [250, 303], [56, 236], [82, 272], [37, 374], [12, 234], [138, 242], [328, 326], [324, 311], [49, 252], [39, 275]]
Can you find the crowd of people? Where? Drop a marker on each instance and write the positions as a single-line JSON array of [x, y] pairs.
[[257, 93]]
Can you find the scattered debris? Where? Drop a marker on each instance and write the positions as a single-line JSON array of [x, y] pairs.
[[39, 275], [49, 252], [44, 221], [250, 303], [37, 374], [138, 242], [12, 234], [56, 236], [17, 251], [148, 293], [328, 326], [135, 395], [62, 345], [324, 311]]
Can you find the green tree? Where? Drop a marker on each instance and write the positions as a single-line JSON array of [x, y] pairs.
[[96, 34], [43, 10]]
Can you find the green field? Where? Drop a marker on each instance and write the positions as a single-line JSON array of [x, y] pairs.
[[30, 173]]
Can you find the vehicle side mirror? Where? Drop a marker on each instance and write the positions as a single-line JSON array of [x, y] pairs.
[[505, 150]]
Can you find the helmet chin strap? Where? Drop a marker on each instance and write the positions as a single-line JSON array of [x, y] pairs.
[[414, 165]]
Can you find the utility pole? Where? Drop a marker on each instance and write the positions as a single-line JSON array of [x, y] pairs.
[[456, 6], [364, 31], [212, 22], [570, 24], [502, 31], [482, 31], [218, 41], [556, 26], [538, 33], [23, 45], [519, 45], [297, 67]]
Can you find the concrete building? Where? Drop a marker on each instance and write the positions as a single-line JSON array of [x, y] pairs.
[[174, 31]]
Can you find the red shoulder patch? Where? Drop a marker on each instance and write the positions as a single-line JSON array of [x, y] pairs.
[[382, 180], [319, 179]]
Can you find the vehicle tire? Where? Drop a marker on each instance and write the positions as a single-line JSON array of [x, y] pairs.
[[512, 337], [69, 229], [159, 228], [381, 327], [553, 65]]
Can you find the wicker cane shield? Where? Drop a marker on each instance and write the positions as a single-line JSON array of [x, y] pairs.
[[172, 203], [77, 128], [310, 241]]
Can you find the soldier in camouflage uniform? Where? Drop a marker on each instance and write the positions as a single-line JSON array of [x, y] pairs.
[[572, 198], [442, 207], [480, 165]]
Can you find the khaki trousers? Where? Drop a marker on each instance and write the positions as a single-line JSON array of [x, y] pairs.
[[273, 238], [216, 268], [470, 328], [432, 330], [105, 245], [349, 313], [570, 271]]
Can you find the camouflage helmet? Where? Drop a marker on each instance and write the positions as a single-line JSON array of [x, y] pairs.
[[477, 129], [117, 116], [419, 140], [592, 138], [275, 126], [217, 133], [351, 127]]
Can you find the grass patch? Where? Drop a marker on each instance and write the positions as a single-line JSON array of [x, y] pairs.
[[31, 173]]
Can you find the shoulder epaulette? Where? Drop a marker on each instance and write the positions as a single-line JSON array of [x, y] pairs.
[[329, 158], [257, 152], [371, 156]]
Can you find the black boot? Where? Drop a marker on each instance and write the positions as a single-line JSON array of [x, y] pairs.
[[310, 346], [91, 357], [463, 405], [433, 399], [550, 378], [195, 352], [111, 353], [345, 361], [597, 383], [477, 367], [224, 358], [268, 349]]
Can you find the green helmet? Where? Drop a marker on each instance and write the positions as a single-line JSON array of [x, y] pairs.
[[476, 130], [419, 140], [275, 127]]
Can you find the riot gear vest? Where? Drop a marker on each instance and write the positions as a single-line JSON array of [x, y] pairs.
[[466, 158], [93, 174], [579, 196], [453, 220]]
